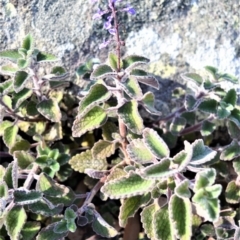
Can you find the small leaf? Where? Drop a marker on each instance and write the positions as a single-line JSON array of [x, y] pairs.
[[139, 153], [30, 230], [235, 116], [85, 160], [20, 97], [97, 94], [132, 60], [95, 118], [10, 54], [102, 71], [191, 103], [131, 117], [231, 151], [155, 143], [3, 190], [23, 63], [149, 81], [102, 228], [22, 197], [204, 179], [182, 189], [232, 193], [128, 186], [61, 227], [20, 145], [180, 212], [3, 125], [201, 153], [6, 86], [208, 106], [193, 77], [229, 78], [113, 61], [10, 135], [103, 149], [233, 130], [9, 69], [147, 216], [207, 128], [148, 102], [70, 214], [130, 206], [15, 221], [11, 175], [212, 70], [28, 43], [132, 88], [50, 109], [231, 97], [162, 225], [48, 233], [177, 125], [236, 165], [46, 57], [20, 80]]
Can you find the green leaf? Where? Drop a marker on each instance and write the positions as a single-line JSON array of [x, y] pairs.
[[48, 233], [193, 77], [3, 190], [95, 118], [231, 97], [2, 172], [201, 153], [12, 55], [229, 78], [15, 221], [6, 86], [97, 94], [20, 97], [49, 108], [130, 206], [102, 71], [177, 125], [23, 63], [103, 149], [208, 106], [207, 128], [222, 111], [131, 117], [43, 208], [85, 160], [204, 179], [162, 225], [232, 193], [61, 227], [148, 102], [3, 125], [70, 214], [236, 165], [46, 57], [147, 216], [9, 69], [10, 136], [30, 230], [191, 103], [71, 226], [182, 189], [230, 151], [180, 211], [133, 61], [113, 61], [23, 158], [115, 174], [132, 88], [139, 153], [235, 116], [102, 228], [11, 175], [20, 145], [28, 42], [148, 80], [20, 80], [155, 143], [212, 70], [23, 197], [233, 130], [131, 185]]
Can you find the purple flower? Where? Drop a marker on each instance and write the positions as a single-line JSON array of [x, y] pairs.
[[104, 44], [112, 31], [93, 1], [129, 9], [108, 23], [98, 14]]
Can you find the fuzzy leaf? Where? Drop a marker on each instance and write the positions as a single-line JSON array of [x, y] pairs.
[[102, 228], [28, 42], [149, 81], [3, 125], [201, 153], [113, 61], [9, 69], [207, 128], [155, 143], [130, 206], [61, 227], [128, 186], [232, 193], [95, 118], [147, 219], [10, 54], [22, 197], [208, 106], [177, 125], [139, 153], [20, 97], [15, 221], [96, 95], [3, 190], [41, 207], [193, 77], [231, 97], [117, 173], [132, 88], [20, 145], [148, 101], [20, 80], [162, 225], [23, 63], [231, 151], [132, 60], [30, 230], [182, 189], [48, 233], [102, 71], [46, 57], [180, 212], [204, 179], [236, 165], [191, 103], [10, 176], [85, 160], [6, 86], [233, 130], [103, 149], [10, 136], [235, 116], [222, 111], [49, 108], [131, 117]]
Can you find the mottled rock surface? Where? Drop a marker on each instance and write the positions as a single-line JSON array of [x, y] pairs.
[[177, 35]]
